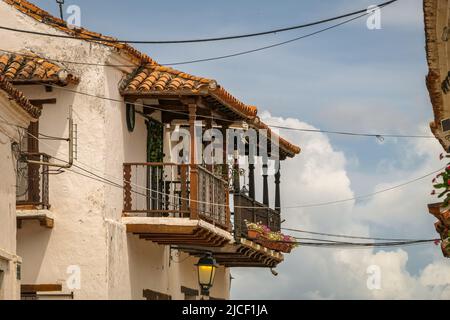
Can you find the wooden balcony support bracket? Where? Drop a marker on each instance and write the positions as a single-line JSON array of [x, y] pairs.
[[44, 217], [177, 231], [237, 254]]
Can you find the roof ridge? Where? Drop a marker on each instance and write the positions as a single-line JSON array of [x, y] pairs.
[[182, 74]]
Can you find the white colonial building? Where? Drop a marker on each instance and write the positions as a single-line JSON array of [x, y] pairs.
[[103, 212]]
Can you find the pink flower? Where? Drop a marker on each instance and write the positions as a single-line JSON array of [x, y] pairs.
[[437, 242]]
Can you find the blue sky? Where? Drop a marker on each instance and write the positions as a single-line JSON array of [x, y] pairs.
[[347, 79]]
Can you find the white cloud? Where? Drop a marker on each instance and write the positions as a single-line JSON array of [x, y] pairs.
[[318, 175]]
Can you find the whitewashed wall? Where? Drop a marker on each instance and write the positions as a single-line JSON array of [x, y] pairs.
[[10, 116]]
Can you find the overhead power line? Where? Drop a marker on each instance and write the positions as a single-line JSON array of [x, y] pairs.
[[212, 39], [231, 121], [317, 242], [279, 44], [332, 235], [357, 134], [222, 57], [359, 245], [313, 205], [115, 184], [345, 133], [366, 196]]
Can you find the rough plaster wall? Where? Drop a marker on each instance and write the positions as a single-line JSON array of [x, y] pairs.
[[10, 287], [78, 203], [7, 196]]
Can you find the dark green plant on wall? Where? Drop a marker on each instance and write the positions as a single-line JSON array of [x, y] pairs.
[[155, 137]]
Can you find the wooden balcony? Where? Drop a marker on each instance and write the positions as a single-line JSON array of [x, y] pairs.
[[32, 191], [176, 204], [32, 182], [242, 253], [250, 210]]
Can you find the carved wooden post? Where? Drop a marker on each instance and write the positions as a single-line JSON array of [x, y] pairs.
[[236, 169], [224, 153], [209, 126], [127, 200], [277, 188], [251, 181], [227, 208], [193, 164], [265, 169]]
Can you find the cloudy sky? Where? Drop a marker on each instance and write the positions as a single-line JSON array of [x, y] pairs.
[[350, 79]]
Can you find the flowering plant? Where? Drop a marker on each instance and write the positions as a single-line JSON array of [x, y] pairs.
[[272, 240], [259, 227], [442, 181]]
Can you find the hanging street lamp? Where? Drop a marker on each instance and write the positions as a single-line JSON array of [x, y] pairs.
[[207, 267]]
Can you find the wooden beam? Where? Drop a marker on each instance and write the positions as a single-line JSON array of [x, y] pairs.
[[34, 288], [43, 221], [157, 228], [41, 102], [46, 222]]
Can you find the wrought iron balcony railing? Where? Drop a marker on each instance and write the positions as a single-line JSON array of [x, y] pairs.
[[250, 210], [177, 191], [32, 188]]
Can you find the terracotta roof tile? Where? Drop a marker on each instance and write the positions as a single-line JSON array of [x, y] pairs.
[[30, 68], [43, 16], [19, 98], [155, 78]]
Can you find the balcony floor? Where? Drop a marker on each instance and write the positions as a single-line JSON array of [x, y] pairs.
[[177, 231], [45, 217]]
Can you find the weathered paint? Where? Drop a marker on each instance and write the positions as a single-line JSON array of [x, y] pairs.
[[88, 231], [10, 116]]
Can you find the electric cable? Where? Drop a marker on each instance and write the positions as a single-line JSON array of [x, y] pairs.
[[287, 207], [213, 39]]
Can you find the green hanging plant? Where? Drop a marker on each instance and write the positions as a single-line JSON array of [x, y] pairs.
[[441, 184]]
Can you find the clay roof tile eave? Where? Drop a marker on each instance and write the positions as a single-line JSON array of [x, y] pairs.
[[19, 98]]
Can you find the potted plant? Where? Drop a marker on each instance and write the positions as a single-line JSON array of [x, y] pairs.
[[254, 230]]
